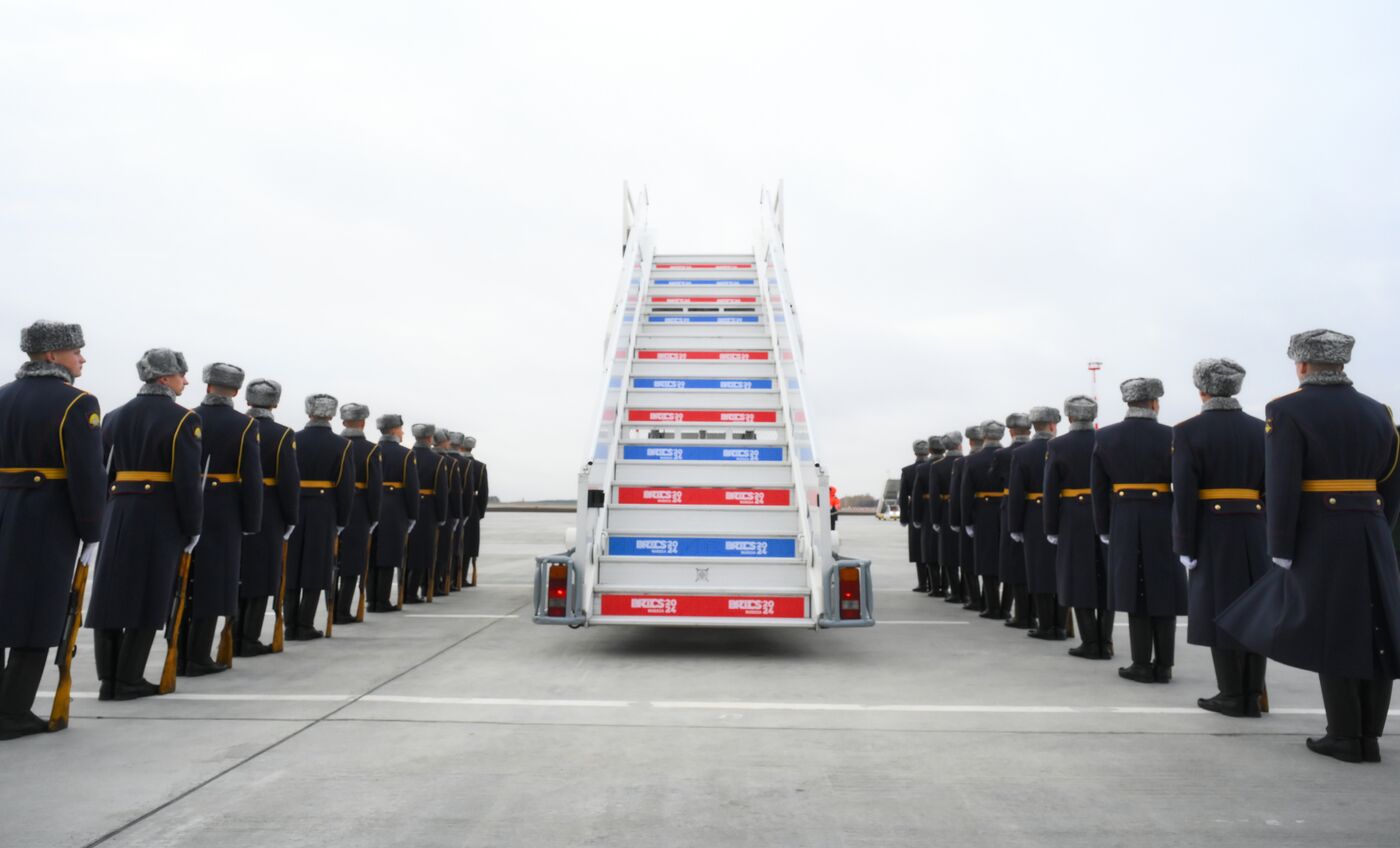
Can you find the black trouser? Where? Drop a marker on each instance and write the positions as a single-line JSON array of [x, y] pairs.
[[1152, 639], [1017, 602], [299, 610], [345, 595], [121, 654], [921, 571], [971, 587], [1049, 614], [251, 612], [991, 592], [20, 683], [1095, 627], [1355, 708], [953, 581], [198, 638], [1238, 673], [381, 581]]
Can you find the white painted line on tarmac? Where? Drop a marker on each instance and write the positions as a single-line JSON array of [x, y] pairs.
[[230, 696], [493, 702], [456, 615], [885, 621]]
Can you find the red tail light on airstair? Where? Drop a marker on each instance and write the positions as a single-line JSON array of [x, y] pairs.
[[849, 587], [558, 590]]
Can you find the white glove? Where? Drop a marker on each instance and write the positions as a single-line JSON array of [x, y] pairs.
[[1285, 564], [456, 525], [1188, 562], [917, 525], [1054, 540], [194, 540], [372, 525], [1104, 538], [339, 530], [288, 534], [410, 525], [1018, 537], [442, 523], [970, 531], [938, 528], [89, 554]]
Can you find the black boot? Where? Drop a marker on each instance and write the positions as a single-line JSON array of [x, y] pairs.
[[17, 692], [106, 647], [1105, 619], [1164, 646], [1048, 619], [1375, 706], [250, 625], [991, 595], [1140, 642], [131, 666], [199, 660], [1229, 680], [343, 599], [1020, 608], [306, 616], [1088, 648], [1341, 698], [921, 572]]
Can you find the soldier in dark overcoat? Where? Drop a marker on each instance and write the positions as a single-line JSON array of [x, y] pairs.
[[940, 501], [433, 493], [981, 494], [479, 491], [928, 548], [260, 577], [1026, 523], [1081, 577], [1332, 494], [397, 512], [155, 511], [233, 495], [364, 511], [907, 476], [967, 563], [327, 495], [1011, 559], [442, 569], [1130, 476], [1219, 531], [52, 489]]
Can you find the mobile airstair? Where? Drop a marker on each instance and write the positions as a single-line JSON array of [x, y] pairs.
[[703, 501]]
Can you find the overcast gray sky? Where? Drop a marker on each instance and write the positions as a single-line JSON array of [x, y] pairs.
[[416, 206]]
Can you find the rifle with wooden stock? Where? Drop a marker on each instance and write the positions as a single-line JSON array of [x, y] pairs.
[[172, 628], [68, 647], [278, 640]]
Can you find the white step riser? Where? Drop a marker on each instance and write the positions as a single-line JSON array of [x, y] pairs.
[[704, 369], [718, 474], [700, 399], [677, 576], [718, 332], [749, 521]]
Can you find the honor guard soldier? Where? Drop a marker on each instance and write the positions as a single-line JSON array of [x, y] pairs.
[[940, 503], [907, 475], [327, 496], [432, 513], [1026, 522], [264, 552], [479, 487], [155, 510], [1132, 495], [967, 564], [981, 496], [1011, 561], [920, 498], [397, 512], [1219, 533], [354, 548], [233, 503], [442, 567], [52, 490], [1081, 576], [457, 441], [1332, 492]]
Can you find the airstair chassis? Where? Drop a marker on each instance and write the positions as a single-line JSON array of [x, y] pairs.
[[702, 502]]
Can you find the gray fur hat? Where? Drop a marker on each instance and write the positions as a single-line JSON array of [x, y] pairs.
[[354, 412], [440, 435], [48, 336], [468, 442], [935, 444], [1324, 347], [455, 438], [320, 406], [1218, 377], [1018, 421], [974, 433], [160, 362], [1138, 389], [264, 393], [952, 440], [388, 421], [1081, 408], [223, 375], [992, 431], [423, 431], [1044, 415], [920, 447]]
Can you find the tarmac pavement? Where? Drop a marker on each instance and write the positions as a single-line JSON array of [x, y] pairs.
[[461, 723]]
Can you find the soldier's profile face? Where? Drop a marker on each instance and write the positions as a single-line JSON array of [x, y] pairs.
[[71, 359]]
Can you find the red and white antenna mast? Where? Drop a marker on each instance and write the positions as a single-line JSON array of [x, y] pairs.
[[1094, 367]]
